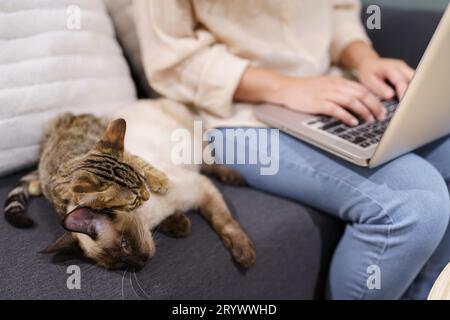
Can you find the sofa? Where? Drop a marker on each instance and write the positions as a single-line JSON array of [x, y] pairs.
[[294, 243]]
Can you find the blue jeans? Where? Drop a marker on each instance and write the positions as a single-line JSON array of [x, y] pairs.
[[396, 215]]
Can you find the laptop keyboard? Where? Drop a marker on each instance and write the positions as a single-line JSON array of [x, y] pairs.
[[365, 135]]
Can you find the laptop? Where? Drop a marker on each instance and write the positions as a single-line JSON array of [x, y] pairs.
[[422, 115]]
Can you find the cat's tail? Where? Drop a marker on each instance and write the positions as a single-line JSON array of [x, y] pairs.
[[17, 200]]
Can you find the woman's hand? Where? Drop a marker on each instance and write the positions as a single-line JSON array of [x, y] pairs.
[[332, 96], [374, 72]]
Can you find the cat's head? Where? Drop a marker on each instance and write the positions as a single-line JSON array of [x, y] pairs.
[[102, 179], [111, 240], [103, 193]]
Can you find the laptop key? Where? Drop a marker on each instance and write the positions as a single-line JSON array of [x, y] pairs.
[[313, 122], [331, 125], [326, 120], [339, 130], [358, 140], [346, 137]]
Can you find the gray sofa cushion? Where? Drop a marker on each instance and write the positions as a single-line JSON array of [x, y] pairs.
[[293, 244]]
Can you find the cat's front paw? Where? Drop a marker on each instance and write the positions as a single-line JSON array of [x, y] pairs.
[[232, 178], [244, 253], [224, 174], [158, 182], [177, 225], [241, 248]]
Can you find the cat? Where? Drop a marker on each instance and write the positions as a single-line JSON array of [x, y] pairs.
[[94, 186], [109, 216]]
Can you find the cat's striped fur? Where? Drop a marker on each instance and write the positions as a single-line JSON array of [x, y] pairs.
[[17, 200]]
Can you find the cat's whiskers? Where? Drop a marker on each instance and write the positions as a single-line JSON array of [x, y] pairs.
[[123, 277], [132, 286], [139, 285]]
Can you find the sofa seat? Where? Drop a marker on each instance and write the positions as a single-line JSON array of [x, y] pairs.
[[293, 244]]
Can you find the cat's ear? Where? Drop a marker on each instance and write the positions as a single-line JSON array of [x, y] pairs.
[[113, 138], [87, 221], [65, 243]]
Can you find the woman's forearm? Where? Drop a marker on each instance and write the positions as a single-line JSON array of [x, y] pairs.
[[355, 53], [263, 85]]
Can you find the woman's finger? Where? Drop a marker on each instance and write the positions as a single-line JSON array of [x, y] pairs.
[[398, 80], [407, 71], [350, 101], [332, 109], [369, 100], [378, 86]]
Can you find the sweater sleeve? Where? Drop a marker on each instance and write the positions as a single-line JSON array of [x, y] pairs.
[[347, 26], [183, 61]]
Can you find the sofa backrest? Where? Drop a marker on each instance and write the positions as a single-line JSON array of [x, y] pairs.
[[121, 13], [55, 56]]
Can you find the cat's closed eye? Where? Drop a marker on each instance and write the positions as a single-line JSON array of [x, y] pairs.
[[135, 201]]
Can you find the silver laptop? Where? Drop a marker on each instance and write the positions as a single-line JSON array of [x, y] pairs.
[[422, 116]]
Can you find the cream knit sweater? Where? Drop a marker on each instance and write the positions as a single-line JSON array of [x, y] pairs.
[[195, 51]]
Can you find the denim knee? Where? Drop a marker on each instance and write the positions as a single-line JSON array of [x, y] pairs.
[[422, 216]]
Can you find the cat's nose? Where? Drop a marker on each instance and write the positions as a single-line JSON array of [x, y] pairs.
[[138, 262], [144, 257]]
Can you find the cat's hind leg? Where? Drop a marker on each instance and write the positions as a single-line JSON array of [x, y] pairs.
[[17, 200], [223, 174], [214, 209], [34, 188]]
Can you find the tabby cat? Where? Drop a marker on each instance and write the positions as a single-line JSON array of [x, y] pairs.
[[100, 191]]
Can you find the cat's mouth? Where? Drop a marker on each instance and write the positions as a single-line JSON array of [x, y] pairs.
[[106, 211]]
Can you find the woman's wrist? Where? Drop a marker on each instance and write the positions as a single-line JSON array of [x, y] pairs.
[[356, 54], [260, 85], [274, 88]]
